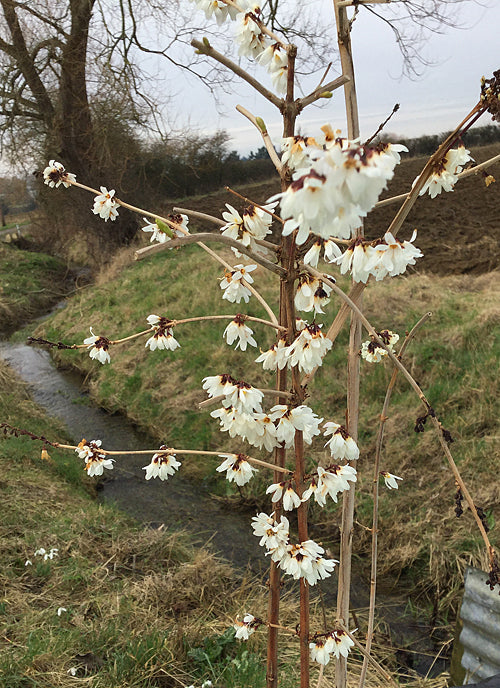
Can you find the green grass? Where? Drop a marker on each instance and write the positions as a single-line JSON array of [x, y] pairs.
[[452, 358], [30, 282]]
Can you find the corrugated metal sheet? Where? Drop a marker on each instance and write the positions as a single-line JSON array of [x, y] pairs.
[[480, 636]]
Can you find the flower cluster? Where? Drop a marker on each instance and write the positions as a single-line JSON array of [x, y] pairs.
[[372, 351], [330, 482], [54, 175], [162, 232], [302, 560], [237, 468], [95, 459], [98, 347], [337, 643], [233, 283], [339, 185], [162, 465], [163, 337], [275, 58], [245, 628], [42, 552], [330, 249], [390, 257], [237, 330], [252, 225], [105, 205], [312, 294], [445, 172], [306, 351]]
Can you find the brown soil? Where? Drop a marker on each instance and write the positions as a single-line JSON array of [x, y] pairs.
[[459, 232]]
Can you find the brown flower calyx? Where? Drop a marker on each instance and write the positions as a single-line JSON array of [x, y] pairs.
[[490, 95]]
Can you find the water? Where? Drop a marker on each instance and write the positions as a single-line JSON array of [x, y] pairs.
[[182, 504]]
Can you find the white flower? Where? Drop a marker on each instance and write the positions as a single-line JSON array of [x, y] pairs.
[[245, 628], [315, 489], [238, 330], [216, 385], [244, 398], [237, 468], [309, 348], [289, 420], [390, 480], [372, 351], [392, 257], [249, 35], [312, 256], [216, 9], [232, 283], [341, 444], [98, 347], [320, 650], [105, 205], [341, 643], [72, 671], [207, 684], [28, 562], [446, 171], [312, 294], [54, 175], [356, 258], [305, 560], [257, 221], [60, 610], [276, 356], [262, 432], [162, 465], [273, 535], [295, 152], [95, 459], [291, 499], [163, 337], [335, 479]]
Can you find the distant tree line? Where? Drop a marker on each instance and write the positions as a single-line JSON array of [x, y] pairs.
[[427, 144]]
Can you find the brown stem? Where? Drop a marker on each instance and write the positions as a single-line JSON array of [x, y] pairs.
[[374, 529], [265, 137]]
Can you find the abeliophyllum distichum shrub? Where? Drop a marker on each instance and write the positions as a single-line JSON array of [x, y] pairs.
[[329, 185]]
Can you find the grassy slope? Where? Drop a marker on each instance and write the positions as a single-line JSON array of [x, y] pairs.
[[144, 609], [452, 358], [30, 283]]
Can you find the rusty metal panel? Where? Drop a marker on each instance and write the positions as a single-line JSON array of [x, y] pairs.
[[480, 636]]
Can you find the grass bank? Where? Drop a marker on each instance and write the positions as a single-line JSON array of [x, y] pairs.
[[453, 358], [30, 283], [118, 605]]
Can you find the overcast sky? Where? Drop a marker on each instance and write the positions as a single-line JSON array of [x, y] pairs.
[[435, 101]]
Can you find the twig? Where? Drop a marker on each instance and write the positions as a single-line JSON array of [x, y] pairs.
[[374, 528], [259, 124], [321, 90], [201, 216], [205, 49], [207, 236], [462, 175], [261, 207], [381, 126]]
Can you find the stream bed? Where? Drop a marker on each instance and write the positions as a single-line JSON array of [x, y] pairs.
[[183, 504]]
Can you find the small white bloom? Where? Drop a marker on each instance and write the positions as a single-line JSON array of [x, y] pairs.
[[72, 671], [446, 171], [60, 610], [162, 465], [372, 351], [249, 35], [308, 349], [245, 628], [238, 330], [95, 459], [105, 205], [40, 552], [54, 175], [163, 338], [215, 385], [273, 535], [232, 283], [341, 444], [341, 643], [98, 347], [295, 152], [320, 651], [28, 562], [276, 356], [237, 468], [390, 480]]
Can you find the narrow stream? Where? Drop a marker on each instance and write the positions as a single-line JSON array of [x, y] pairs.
[[182, 504]]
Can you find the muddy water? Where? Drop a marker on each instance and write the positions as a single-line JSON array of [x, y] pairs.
[[180, 503]]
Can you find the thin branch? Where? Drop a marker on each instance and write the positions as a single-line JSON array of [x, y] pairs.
[[382, 125], [207, 236], [265, 136], [320, 90], [205, 49], [414, 385], [374, 528], [462, 175], [201, 216]]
